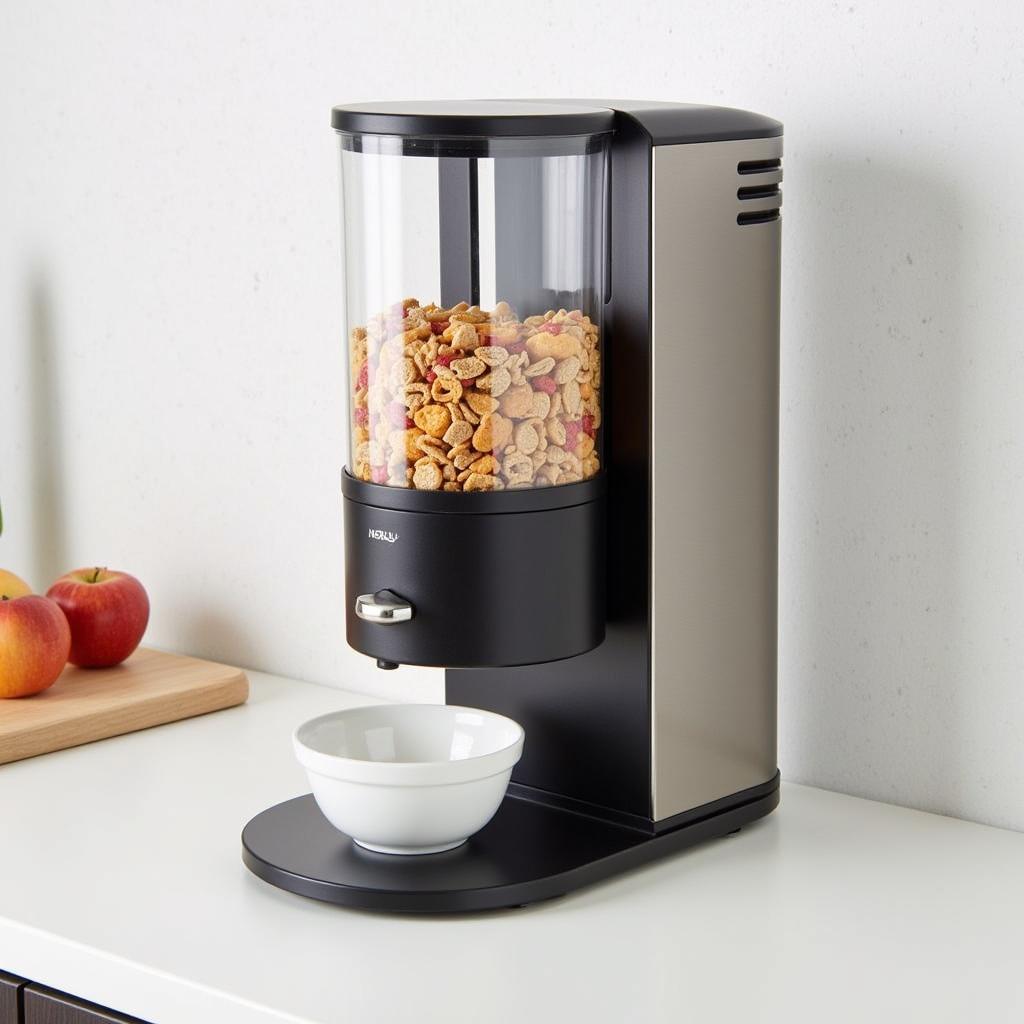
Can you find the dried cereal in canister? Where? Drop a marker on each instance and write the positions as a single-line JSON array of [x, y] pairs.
[[459, 398], [427, 477], [518, 401], [458, 433], [433, 420]]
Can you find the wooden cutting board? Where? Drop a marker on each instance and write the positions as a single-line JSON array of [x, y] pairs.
[[150, 688]]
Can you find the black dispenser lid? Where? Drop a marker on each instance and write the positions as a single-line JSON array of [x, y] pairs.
[[476, 119]]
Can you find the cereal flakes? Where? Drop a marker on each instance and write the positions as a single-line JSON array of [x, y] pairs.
[[459, 399]]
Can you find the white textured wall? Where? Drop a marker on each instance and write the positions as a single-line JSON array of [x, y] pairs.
[[171, 395]]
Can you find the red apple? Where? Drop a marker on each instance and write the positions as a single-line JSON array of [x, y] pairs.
[[34, 644], [107, 612]]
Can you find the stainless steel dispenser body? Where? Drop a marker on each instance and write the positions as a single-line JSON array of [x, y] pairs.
[[714, 469]]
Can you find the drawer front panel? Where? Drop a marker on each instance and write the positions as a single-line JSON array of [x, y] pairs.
[[46, 1006]]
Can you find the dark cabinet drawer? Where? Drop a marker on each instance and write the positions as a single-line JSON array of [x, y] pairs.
[[10, 986], [45, 1006]]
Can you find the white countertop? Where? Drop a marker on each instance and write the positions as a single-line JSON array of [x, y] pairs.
[[121, 882]]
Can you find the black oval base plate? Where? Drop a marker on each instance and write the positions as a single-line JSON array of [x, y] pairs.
[[528, 852]]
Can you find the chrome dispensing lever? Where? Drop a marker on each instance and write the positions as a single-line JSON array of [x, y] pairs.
[[385, 607]]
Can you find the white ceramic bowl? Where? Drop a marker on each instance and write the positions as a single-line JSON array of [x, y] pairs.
[[409, 778]]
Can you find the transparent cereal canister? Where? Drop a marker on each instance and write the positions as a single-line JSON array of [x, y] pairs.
[[475, 278]]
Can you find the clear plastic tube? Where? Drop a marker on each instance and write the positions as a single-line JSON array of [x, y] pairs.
[[474, 276]]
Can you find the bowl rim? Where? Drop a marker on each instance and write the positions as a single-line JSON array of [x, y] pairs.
[[447, 772]]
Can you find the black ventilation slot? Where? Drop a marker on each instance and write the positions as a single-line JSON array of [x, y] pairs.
[[758, 166], [766, 191], [758, 192], [757, 217]]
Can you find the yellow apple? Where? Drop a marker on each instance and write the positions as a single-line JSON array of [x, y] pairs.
[[12, 586]]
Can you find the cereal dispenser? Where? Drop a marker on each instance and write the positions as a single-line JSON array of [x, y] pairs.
[[561, 484]]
